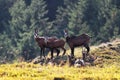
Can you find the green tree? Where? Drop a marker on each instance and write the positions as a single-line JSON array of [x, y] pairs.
[[4, 14], [81, 19], [110, 14], [24, 20], [62, 16], [97, 18], [5, 46], [61, 22]]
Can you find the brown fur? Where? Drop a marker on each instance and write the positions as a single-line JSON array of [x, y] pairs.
[[76, 41]]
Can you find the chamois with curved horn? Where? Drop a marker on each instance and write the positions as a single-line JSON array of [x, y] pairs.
[[42, 42], [52, 43], [76, 41]]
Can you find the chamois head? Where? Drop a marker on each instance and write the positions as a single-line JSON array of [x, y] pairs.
[[36, 33], [66, 33], [76, 41]]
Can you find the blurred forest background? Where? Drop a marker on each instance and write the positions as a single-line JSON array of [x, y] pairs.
[[18, 19]]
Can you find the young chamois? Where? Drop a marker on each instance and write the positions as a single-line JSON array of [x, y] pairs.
[[76, 41]]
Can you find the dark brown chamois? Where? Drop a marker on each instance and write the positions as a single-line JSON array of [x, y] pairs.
[[58, 43], [42, 42], [76, 41]]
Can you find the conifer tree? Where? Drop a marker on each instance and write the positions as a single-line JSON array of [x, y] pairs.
[[25, 18], [62, 17]]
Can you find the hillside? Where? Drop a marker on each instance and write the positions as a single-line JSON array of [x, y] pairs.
[[107, 53], [104, 67]]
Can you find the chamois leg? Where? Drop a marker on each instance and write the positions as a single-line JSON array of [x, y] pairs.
[[51, 53], [83, 55], [58, 51], [41, 51], [87, 47], [72, 52], [64, 51]]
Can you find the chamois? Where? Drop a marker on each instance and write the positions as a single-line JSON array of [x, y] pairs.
[[53, 43], [42, 42], [76, 41]]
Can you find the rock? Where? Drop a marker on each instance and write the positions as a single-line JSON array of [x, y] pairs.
[[3, 62], [70, 60], [62, 63], [51, 63], [87, 64], [79, 63], [109, 45], [38, 60], [92, 58]]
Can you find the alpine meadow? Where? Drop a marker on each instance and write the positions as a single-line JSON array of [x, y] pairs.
[[60, 39]]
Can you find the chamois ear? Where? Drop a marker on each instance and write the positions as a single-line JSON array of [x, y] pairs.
[[36, 30], [65, 31]]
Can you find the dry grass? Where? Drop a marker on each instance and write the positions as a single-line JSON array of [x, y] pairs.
[[105, 67], [25, 71]]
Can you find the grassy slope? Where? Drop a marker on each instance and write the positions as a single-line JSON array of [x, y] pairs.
[[106, 67]]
